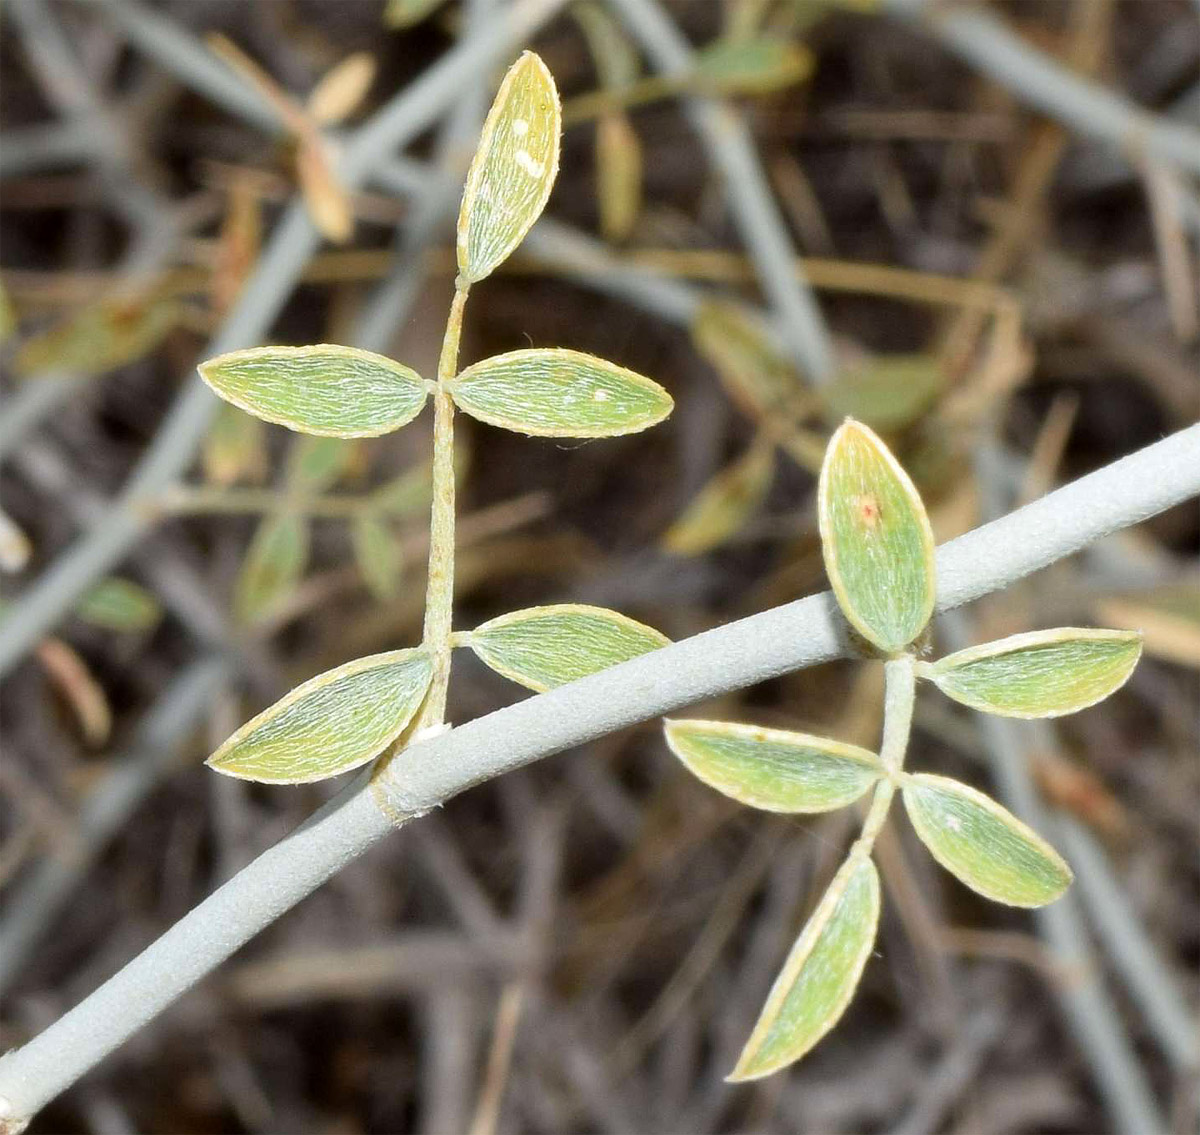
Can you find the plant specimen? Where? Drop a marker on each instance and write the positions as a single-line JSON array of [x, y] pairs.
[[349, 715], [878, 550]]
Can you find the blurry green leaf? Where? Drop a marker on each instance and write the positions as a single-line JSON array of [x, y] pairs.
[[983, 845], [235, 448], [612, 52], [753, 66], [820, 975], [513, 169], [274, 565], [544, 647], [119, 605], [618, 176], [887, 393], [1039, 674], [876, 539], [772, 768], [724, 504], [379, 558], [98, 338], [408, 493], [553, 392], [8, 315], [755, 373], [330, 724], [317, 463], [327, 390], [405, 13]]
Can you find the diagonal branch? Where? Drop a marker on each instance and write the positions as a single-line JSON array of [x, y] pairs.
[[790, 637]]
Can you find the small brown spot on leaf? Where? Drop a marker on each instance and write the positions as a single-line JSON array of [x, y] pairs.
[[867, 508]]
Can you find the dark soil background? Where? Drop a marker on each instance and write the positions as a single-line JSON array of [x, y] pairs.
[[584, 945]]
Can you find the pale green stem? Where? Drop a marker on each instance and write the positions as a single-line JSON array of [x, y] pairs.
[[900, 691], [191, 499], [439, 590]]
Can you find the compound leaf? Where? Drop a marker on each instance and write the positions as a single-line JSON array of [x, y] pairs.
[[553, 392], [544, 647], [773, 769], [820, 975], [982, 844], [324, 389], [513, 169], [1039, 674], [876, 539], [330, 724]]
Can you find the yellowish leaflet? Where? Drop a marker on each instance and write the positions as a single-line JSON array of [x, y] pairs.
[[325, 389], [724, 504], [774, 769], [982, 844], [876, 539], [888, 393], [544, 647], [513, 170], [342, 89], [820, 975], [274, 564], [618, 176], [1039, 674], [330, 724], [552, 392]]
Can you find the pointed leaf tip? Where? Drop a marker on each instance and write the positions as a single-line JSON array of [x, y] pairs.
[[1042, 673], [982, 844], [876, 539], [513, 170], [820, 975], [332, 723], [323, 389], [773, 769], [545, 647]]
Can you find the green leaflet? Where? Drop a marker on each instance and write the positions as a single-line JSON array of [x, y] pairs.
[[615, 58], [274, 563], [316, 463], [753, 66], [876, 539], [378, 554], [330, 724], [513, 169], [553, 392], [820, 975], [982, 844], [325, 389], [544, 647], [724, 504], [1039, 674], [772, 768], [887, 393], [119, 605], [100, 337]]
